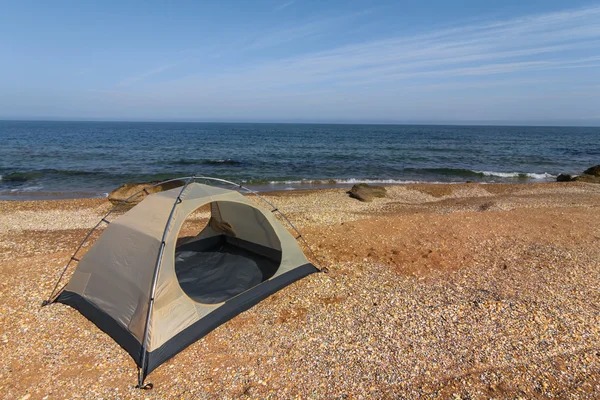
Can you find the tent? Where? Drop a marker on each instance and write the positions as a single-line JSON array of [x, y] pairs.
[[155, 296]]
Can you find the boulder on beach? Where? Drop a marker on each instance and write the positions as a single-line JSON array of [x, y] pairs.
[[366, 192], [587, 178], [594, 171], [590, 175], [129, 189], [564, 178]]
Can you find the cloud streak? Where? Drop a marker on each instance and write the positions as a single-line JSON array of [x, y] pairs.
[[284, 5], [378, 77], [305, 30], [140, 77]]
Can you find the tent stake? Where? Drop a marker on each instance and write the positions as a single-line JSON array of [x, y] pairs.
[[140, 385]]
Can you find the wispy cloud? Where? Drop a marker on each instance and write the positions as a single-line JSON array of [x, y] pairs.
[[137, 78], [514, 63], [304, 30], [284, 5], [551, 41]]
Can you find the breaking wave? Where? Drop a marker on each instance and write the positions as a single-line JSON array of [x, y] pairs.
[[469, 173], [519, 175], [349, 181]]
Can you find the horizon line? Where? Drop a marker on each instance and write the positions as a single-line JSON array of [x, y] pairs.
[[531, 124]]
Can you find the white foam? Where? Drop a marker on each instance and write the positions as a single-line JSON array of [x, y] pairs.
[[391, 181], [545, 175], [349, 181], [34, 188], [531, 175], [31, 188]]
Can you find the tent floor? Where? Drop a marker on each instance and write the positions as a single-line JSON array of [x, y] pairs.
[[212, 271]]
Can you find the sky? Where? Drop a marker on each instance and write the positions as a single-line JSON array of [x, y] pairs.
[[429, 61]]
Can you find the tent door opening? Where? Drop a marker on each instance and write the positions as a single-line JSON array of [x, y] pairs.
[[235, 251]]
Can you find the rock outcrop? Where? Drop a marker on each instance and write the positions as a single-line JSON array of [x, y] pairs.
[[129, 189], [564, 178], [590, 175], [587, 178], [594, 171], [365, 192]]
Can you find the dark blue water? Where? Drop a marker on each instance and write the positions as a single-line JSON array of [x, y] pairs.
[[93, 158]]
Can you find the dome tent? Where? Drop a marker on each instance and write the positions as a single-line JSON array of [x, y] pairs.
[[155, 297]]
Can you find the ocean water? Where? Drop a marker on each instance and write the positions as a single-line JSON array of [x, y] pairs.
[[72, 159]]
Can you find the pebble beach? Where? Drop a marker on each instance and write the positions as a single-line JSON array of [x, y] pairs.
[[436, 291]]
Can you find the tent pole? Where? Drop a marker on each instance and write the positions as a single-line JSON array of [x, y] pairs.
[[143, 355], [51, 297]]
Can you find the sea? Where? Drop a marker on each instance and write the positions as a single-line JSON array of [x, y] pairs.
[[41, 159]]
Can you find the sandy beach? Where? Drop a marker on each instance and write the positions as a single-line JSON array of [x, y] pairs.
[[436, 291]]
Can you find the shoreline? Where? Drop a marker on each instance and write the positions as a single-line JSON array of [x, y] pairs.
[[433, 192], [259, 188]]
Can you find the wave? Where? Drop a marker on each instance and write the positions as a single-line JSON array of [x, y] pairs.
[[20, 176], [31, 175], [445, 171], [390, 181], [227, 161], [34, 188], [349, 181], [520, 175], [466, 173]]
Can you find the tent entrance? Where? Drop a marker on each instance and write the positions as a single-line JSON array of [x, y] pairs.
[[216, 269]]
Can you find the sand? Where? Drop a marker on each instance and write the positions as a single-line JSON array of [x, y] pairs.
[[437, 291]]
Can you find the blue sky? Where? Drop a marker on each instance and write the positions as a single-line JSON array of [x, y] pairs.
[[509, 62]]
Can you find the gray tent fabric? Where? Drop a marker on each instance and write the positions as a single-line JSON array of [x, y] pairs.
[[155, 298], [212, 271], [224, 274]]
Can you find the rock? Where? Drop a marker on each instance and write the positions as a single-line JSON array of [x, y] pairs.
[[564, 178], [594, 171], [590, 175], [587, 178], [365, 192], [127, 190]]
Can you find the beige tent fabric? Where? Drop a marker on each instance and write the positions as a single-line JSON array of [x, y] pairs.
[[116, 273]]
